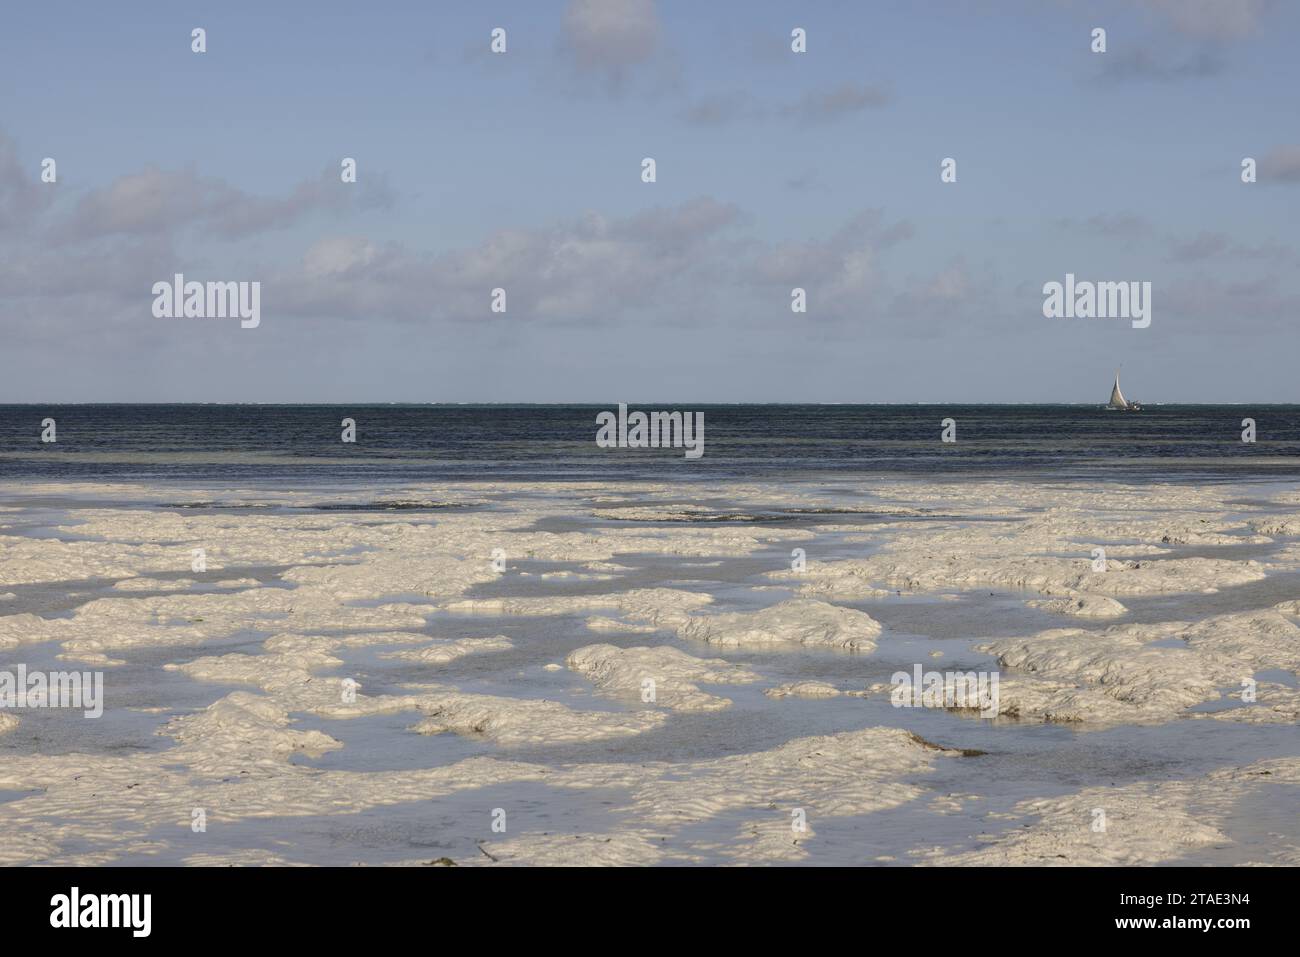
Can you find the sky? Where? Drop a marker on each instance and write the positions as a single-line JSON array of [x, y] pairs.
[[774, 169]]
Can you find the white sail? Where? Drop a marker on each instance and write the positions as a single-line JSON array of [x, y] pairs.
[[1116, 397]]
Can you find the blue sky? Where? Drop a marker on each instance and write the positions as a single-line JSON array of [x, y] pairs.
[[775, 169]]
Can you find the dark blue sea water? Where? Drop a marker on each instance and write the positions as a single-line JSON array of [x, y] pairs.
[[301, 443]]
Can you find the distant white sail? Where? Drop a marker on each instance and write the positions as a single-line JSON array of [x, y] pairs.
[[1117, 400]]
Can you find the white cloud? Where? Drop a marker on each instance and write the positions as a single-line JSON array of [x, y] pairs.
[[1212, 19], [155, 201], [1281, 164], [612, 34]]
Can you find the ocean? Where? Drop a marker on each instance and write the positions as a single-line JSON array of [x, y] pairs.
[[302, 443]]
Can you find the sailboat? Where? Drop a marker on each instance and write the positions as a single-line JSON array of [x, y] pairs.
[[1117, 401]]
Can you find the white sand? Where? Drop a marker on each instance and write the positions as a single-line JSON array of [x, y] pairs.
[[796, 622], [670, 675], [397, 588], [1120, 674], [1137, 824], [803, 689]]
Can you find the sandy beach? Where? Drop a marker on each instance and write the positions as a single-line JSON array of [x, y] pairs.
[[640, 673]]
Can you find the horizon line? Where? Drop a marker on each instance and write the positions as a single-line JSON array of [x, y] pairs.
[[599, 404]]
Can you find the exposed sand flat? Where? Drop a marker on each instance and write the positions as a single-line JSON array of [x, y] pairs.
[[288, 671], [1271, 527], [818, 778], [156, 584], [1273, 704], [1136, 824], [1082, 606], [771, 841], [654, 605], [795, 622], [714, 776], [570, 850], [253, 724], [229, 762], [246, 858], [668, 513], [852, 773], [107, 625], [50, 560], [1129, 673], [803, 689], [393, 573], [675, 675], [1047, 544], [706, 514], [512, 721], [350, 557], [601, 623], [924, 568], [445, 650]]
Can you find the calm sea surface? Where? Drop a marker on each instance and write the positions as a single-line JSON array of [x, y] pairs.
[[301, 443]]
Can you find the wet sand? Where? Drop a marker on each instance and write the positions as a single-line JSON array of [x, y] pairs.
[[637, 673]]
